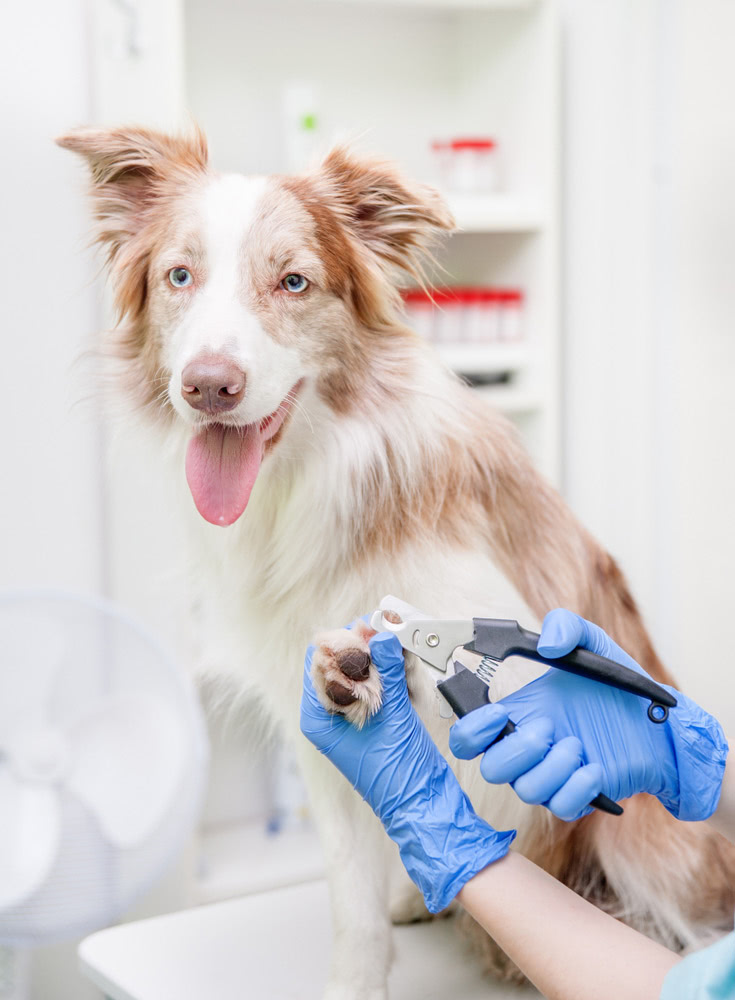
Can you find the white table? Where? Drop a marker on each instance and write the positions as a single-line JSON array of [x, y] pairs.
[[270, 946]]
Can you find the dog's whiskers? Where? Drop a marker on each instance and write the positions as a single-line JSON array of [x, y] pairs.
[[297, 404]]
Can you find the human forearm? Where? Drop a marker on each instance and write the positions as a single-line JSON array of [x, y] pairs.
[[723, 819], [568, 948]]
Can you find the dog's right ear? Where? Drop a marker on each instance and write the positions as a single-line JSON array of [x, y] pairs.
[[128, 164], [130, 167]]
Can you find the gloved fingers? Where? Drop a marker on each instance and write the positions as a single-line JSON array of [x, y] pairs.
[[386, 653], [308, 693], [562, 631], [317, 724], [541, 782], [474, 733], [515, 754], [598, 641], [573, 798]]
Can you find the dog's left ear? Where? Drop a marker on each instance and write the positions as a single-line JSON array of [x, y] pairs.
[[397, 219]]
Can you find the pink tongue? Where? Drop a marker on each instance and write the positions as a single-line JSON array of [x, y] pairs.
[[222, 464]]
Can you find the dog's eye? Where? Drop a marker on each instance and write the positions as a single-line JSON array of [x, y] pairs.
[[295, 283], [180, 277]]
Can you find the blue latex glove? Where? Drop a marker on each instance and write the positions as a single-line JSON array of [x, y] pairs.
[[396, 767], [576, 737]]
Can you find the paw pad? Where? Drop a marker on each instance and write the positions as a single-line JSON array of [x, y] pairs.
[[343, 674]]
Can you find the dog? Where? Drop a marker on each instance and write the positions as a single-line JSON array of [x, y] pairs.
[[262, 334]]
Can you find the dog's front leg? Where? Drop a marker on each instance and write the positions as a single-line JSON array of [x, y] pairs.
[[355, 853]]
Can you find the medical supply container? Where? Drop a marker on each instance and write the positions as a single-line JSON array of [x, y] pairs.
[[466, 165], [466, 315]]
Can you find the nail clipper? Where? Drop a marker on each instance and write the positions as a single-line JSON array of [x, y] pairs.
[[464, 687]]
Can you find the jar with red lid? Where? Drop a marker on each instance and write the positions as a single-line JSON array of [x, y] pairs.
[[467, 165], [511, 314], [419, 312], [448, 315]]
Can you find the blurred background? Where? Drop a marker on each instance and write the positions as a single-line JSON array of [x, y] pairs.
[[587, 148]]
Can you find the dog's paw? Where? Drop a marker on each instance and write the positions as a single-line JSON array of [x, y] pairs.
[[344, 677]]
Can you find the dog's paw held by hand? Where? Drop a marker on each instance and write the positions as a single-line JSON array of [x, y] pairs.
[[344, 677]]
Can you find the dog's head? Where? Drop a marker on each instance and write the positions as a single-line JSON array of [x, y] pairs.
[[236, 291]]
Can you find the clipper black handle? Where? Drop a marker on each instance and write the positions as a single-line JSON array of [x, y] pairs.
[[465, 692], [500, 638]]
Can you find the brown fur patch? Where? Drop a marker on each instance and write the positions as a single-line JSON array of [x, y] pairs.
[[369, 221], [334, 245]]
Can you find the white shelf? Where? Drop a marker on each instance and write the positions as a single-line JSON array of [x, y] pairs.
[[496, 213], [482, 359], [511, 400]]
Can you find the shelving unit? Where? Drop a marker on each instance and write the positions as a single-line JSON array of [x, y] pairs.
[[479, 359], [497, 213], [410, 72]]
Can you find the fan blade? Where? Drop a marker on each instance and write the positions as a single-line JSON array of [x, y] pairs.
[[32, 649], [130, 757], [29, 841]]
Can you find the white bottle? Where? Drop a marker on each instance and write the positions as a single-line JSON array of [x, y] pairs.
[[300, 125]]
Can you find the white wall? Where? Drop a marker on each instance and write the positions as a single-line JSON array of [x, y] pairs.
[[51, 492], [54, 485], [649, 307], [699, 419], [50, 487]]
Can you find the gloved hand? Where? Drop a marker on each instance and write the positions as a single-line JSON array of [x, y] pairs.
[[396, 767], [576, 737]]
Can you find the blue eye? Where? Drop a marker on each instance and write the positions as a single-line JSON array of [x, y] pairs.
[[180, 277], [295, 283]]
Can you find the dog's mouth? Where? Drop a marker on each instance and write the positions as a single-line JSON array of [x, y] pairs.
[[223, 461]]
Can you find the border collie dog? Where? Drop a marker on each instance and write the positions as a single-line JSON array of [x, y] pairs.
[[261, 330]]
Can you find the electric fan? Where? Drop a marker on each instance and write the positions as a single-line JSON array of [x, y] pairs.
[[102, 768]]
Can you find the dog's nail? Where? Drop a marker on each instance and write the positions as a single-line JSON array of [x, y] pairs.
[[355, 664]]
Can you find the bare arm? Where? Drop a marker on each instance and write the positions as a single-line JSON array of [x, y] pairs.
[[568, 948], [723, 819]]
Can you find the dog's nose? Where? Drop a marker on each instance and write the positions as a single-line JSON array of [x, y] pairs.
[[213, 383]]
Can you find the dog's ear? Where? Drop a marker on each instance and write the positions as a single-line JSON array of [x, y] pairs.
[[129, 169], [397, 219]]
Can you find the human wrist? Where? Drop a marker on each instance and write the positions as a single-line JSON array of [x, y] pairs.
[[441, 856], [700, 750]]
